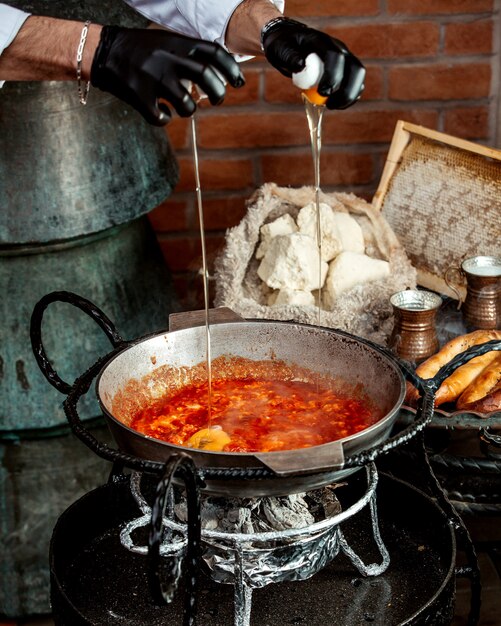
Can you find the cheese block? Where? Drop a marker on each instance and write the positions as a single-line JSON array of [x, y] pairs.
[[291, 262], [350, 233], [283, 225], [330, 239], [293, 296], [349, 269]]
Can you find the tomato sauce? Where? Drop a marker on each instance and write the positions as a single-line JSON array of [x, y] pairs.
[[256, 415]]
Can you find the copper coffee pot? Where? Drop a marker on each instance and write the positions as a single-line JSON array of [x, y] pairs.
[[482, 306], [414, 335]]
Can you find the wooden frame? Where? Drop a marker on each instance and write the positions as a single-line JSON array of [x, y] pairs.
[[401, 138]]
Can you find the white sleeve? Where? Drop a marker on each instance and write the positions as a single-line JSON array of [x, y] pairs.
[[11, 21], [203, 19]]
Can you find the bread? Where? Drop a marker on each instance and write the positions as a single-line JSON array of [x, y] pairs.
[[484, 384], [458, 381], [455, 346], [487, 404]]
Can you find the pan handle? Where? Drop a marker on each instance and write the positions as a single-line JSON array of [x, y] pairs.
[[461, 359], [162, 573], [190, 319], [36, 332], [302, 461]]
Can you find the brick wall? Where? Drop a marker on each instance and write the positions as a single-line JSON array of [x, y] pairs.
[[431, 62]]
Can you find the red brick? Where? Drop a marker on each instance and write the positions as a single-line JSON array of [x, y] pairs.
[[169, 216], [189, 289], [178, 131], [378, 41], [469, 38], [440, 82], [215, 174], [374, 83], [335, 168], [278, 88], [359, 126], [185, 253], [468, 122], [253, 130], [247, 94], [279, 129], [437, 7], [300, 8], [223, 212], [178, 253]]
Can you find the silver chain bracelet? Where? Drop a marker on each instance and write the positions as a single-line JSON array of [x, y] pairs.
[[83, 92]]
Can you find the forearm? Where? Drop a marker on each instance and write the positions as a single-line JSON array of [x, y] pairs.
[[243, 35], [46, 49]]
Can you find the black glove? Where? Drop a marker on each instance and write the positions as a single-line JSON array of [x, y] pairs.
[[287, 43], [141, 65]]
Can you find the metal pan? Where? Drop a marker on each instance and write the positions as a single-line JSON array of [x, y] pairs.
[[322, 350], [326, 351]]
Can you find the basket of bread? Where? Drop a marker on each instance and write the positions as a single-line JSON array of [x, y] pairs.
[[474, 386]]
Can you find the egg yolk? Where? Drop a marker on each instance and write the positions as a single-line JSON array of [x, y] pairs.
[[314, 97]]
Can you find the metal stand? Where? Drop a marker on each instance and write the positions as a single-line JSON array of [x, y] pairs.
[[253, 560]]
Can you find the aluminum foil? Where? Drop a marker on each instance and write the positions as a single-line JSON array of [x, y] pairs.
[[251, 543], [261, 566], [264, 552]]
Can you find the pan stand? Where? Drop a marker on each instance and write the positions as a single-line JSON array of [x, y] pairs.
[[242, 552]]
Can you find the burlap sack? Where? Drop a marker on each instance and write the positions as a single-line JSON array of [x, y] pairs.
[[364, 310]]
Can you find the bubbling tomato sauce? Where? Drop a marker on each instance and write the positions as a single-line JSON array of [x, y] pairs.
[[255, 415]]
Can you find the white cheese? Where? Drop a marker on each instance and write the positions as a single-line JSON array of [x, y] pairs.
[[307, 222], [291, 262], [294, 296], [283, 225], [350, 234], [350, 269]]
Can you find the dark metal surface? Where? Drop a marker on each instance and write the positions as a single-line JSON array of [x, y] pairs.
[[94, 580], [163, 586], [123, 269], [39, 479], [456, 420], [75, 181], [69, 170]]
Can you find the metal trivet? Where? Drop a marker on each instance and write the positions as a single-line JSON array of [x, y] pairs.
[[253, 560]]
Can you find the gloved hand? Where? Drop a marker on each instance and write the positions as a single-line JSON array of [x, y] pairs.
[[141, 65], [287, 43]]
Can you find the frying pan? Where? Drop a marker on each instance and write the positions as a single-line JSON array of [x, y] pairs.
[[329, 352]]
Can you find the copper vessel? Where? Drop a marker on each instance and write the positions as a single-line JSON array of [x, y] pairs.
[[482, 305], [414, 335]]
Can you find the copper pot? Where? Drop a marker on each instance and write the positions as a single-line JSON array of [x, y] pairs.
[[414, 335]]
